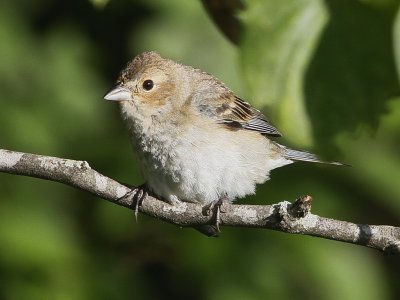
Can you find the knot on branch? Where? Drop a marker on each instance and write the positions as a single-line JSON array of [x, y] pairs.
[[301, 207], [295, 217]]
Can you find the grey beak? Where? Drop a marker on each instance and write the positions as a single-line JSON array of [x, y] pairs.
[[119, 93]]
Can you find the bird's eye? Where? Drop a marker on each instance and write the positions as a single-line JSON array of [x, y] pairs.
[[148, 84]]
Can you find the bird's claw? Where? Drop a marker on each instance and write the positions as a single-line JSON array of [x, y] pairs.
[[136, 196], [216, 208]]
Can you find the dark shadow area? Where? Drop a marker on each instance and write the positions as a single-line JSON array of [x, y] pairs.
[[365, 234], [352, 73], [107, 28]]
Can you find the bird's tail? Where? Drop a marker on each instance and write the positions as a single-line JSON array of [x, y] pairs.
[[297, 155]]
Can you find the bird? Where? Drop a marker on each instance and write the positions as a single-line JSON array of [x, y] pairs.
[[196, 140]]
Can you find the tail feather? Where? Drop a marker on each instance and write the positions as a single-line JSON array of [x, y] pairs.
[[297, 155]]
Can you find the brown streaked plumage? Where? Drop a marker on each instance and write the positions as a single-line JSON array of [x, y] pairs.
[[236, 113]]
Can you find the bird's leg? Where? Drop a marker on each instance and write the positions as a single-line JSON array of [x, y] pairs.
[[136, 196], [215, 207]]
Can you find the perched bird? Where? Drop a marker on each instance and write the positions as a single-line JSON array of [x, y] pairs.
[[196, 140]]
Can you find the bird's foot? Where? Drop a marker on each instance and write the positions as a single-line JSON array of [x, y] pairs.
[[136, 196], [215, 208]]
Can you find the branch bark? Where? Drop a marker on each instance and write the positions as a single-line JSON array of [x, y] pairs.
[[283, 216]]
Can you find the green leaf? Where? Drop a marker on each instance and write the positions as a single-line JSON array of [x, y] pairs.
[[278, 41], [376, 159], [352, 74]]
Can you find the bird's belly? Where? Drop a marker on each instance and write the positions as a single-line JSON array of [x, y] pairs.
[[204, 170]]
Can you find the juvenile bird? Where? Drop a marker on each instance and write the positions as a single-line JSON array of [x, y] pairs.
[[196, 140]]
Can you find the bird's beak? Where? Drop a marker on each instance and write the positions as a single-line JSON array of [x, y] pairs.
[[119, 93]]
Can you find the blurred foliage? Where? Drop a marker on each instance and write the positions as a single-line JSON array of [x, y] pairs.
[[282, 37], [327, 72]]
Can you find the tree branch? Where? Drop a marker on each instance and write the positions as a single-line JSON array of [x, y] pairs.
[[284, 216]]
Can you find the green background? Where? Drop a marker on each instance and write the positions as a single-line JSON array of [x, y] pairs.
[[327, 74]]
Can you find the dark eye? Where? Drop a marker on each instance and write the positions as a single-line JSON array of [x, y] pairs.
[[148, 84]]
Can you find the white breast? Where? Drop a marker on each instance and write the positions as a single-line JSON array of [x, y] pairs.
[[201, 166]]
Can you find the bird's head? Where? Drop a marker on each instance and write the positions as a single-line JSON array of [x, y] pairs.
[[148, 85]]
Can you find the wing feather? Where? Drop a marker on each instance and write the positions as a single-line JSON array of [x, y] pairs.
[[236, 113], [214, 100]]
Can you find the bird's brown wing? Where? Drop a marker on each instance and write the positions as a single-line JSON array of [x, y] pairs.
[[238, 114]]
